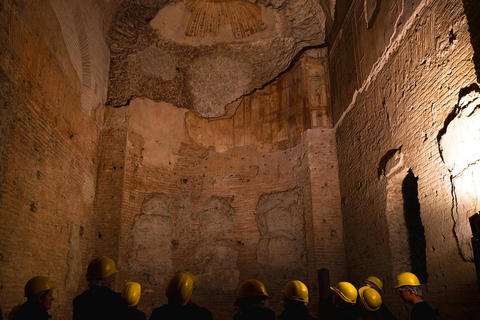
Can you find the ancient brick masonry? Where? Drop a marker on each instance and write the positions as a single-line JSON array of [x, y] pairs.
[[252, 195], [49, 142], [399, 113]]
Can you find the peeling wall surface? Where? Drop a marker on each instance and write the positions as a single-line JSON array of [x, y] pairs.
[[53, 75], [413, 114]]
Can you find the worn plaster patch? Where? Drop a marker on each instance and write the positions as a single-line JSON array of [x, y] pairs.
[[217, 217], [223, 280], [151, 254], [281, 252], [217, 266], [162, 127], [185, 211], [281, 214]]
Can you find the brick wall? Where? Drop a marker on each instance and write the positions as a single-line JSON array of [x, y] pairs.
[[179, 200], [49, 142], [394, 123]]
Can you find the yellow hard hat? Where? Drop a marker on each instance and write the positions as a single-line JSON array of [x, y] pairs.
[[370, 298], [376, 281], [407, 279], [251, 288], [131, 293], [180, 287], [346, 291], [101, 268], [36, 285], [296, 290]]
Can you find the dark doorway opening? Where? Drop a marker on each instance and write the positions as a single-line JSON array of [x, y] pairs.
[[415, 229]]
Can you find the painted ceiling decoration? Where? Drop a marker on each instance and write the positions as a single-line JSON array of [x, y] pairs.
[[245, 18]]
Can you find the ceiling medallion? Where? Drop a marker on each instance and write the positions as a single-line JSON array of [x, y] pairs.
[[244, 17]]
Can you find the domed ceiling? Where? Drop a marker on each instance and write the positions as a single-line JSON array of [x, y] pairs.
[[204, 55]]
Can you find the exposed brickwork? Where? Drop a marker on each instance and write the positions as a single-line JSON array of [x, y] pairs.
[[355, 49], [198, 175], [48, 150], [196, 181], [404, 105]]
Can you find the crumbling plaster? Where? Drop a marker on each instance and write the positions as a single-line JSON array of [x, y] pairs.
[[241, 66]]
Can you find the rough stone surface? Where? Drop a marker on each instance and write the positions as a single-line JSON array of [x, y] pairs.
[[282, 250], [151, 240], [218, 81], [216, 218], [281, 214], [217, 266], [156, 63]]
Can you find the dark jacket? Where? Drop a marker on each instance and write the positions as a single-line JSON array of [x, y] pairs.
[[98, 303], [386, 313], [186, 312], [295, 312], [254, 313], [344, 311], [132, 313], [31, 310], [422, 311], [381, 314]]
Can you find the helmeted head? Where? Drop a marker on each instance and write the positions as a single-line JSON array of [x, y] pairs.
[[407, 279], [251, 292], [251, 288], [408, 287], [370, 298], [40, 289], [101, 268], [180, 288], [346, 291], [37, 285], [296, 290], [374, 283], [131, 293]]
